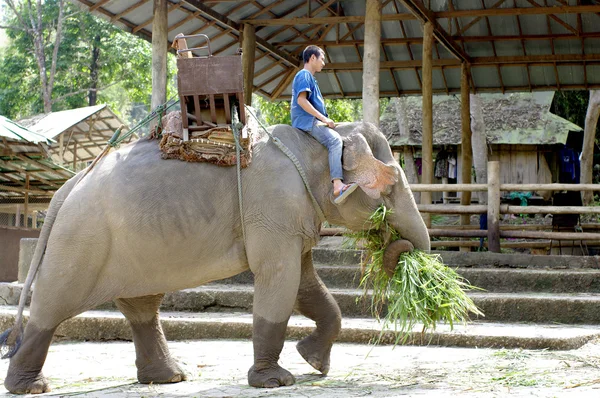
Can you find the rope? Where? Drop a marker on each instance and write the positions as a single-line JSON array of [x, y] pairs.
[[296, 163], [159, 111], [236, 135]]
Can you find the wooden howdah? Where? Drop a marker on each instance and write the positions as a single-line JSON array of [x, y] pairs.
[[208, 87]]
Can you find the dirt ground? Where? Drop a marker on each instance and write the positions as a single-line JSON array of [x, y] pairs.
[[218, 369]]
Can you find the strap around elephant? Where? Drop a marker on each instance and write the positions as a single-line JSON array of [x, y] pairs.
[[296, 163]]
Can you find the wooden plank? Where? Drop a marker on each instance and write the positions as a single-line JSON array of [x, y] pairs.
[[197, 110], [242, 108], [227, 108], [213, 109]]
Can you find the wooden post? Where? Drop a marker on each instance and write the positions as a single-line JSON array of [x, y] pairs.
[[371, 62], [159, 53], [75, 156], [427, 147], [61, 148], [248, 51], [26, 205], [466, 150], [18, 216], [493, 213]]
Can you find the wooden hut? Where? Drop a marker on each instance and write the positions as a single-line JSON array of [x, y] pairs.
[[521, 133]]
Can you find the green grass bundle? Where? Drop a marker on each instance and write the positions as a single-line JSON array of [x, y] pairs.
[[422, 289]]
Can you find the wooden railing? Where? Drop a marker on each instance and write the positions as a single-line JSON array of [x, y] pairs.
[[494, 209]]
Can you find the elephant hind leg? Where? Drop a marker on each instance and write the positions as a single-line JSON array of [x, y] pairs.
[[24, 374], [315, 302], [153, 360]]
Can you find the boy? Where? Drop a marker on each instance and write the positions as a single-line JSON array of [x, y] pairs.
[[308, 108]]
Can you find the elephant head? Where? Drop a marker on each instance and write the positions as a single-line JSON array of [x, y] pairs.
[[368, 161]]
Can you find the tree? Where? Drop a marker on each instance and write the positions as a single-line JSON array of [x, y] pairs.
[[44, 29], [95, 62]]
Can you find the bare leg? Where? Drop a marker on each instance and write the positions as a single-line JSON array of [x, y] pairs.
[[153, 360], [315, 302], [277, 276]]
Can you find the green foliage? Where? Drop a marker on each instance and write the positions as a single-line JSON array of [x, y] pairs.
[[339, 110], [123, 67], [272, 112], [422, 289], [572, 105]]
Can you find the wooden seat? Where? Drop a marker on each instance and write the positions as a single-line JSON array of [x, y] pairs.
[[209, 87]]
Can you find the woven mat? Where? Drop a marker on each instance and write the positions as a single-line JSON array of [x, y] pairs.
[[216, 145]]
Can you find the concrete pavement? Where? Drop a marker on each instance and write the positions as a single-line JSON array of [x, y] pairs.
[[217, 368]]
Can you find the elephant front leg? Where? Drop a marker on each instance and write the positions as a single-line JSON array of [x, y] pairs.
[[315, 302], [153, 360], [276, 280]]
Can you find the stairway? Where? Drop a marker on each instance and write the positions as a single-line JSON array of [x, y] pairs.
[[528, 301]]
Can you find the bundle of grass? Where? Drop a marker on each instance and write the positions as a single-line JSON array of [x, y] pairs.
[[421, 289]]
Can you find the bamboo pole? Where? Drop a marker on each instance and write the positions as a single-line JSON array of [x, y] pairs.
[[503, 187], [493, 212], [447, 187], [248, 55], [427, 87], [508, 245], [506, 209]]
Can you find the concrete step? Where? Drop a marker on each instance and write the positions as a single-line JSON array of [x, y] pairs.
[[331, 255], [490, 279], [111, 325], [567, 308]]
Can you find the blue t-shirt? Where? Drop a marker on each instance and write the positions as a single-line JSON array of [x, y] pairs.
[[305, 81]]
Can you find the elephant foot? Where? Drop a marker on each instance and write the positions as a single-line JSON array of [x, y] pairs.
[[26, 383], [313, 352], [270, 377], [170, 373]]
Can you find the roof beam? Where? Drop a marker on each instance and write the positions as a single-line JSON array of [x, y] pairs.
[[424, 15], [222, 19], [475, 61], [498, 12], [323, 20]]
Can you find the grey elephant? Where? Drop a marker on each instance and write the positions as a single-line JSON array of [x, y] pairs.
[[137, 226]]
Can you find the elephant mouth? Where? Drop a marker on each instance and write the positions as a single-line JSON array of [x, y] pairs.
[[393, 252]]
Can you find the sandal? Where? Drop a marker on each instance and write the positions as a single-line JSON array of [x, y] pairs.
[[345, 192]]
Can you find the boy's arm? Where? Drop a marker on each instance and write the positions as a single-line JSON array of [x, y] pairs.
[[310, 109]]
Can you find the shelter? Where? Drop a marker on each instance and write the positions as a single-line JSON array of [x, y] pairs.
[[521, 133], [508, 45], [78, 135], [27, 178]]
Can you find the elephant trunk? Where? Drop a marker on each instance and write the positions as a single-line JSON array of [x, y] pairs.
[[392, 253]]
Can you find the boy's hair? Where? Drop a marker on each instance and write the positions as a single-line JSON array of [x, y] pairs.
[[310, 51]]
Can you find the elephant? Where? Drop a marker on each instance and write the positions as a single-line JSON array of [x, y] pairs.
[[137, 226]]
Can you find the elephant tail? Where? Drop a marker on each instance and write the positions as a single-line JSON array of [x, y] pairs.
[[11, 339]]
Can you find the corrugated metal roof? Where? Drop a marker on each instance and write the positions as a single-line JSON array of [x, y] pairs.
[[518, 45], [85, 131], [516, 118], [15, 131]]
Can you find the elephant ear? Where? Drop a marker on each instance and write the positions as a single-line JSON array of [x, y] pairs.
[[372, 175]]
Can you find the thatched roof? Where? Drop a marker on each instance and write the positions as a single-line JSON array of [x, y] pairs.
[[518, 118]]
